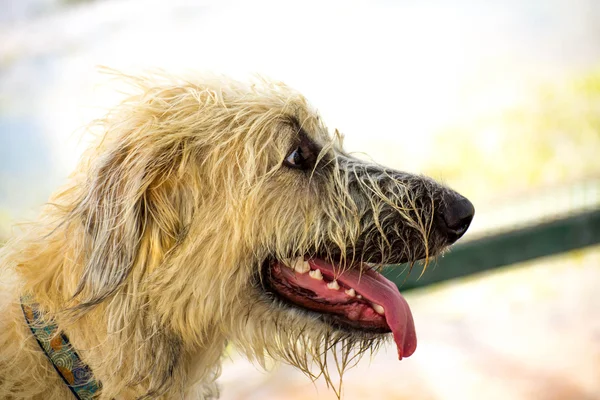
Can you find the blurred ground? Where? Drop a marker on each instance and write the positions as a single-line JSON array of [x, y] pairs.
[[501, 100]]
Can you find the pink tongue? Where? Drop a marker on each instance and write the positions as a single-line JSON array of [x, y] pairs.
[[377, 289]]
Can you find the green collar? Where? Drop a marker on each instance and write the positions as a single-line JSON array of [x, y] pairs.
[[74, 372]]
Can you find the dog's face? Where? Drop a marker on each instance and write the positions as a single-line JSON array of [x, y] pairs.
[[232, 211], [324, 223]]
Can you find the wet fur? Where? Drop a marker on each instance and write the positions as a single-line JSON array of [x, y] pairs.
[[151, 259]]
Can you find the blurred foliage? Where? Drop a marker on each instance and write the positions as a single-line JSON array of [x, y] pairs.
[[552, 139]]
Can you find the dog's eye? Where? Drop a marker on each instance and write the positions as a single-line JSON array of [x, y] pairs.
[[303, 155], [296, 159]]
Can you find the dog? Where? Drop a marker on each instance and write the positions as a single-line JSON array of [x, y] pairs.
[[212, 212]]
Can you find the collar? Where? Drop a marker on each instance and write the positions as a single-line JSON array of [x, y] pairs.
[[76, 374]]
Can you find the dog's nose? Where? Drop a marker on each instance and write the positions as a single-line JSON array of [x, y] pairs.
[[456, 215]]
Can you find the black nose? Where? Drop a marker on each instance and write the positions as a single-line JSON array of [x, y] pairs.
[[456, 214]]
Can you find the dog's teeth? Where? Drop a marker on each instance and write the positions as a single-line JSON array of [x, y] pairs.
[[316, 274], [378, 309], [301, 266], [333, 285], [350, 292], [358, 296]]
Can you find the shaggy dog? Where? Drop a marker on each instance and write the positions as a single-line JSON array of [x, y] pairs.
[[213, 212]]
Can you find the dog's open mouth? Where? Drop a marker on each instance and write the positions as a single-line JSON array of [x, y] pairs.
[[356, 298]]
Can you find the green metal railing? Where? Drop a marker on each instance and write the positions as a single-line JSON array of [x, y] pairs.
[[501, 249]]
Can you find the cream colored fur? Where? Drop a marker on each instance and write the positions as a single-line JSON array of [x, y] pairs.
[[150, 258]]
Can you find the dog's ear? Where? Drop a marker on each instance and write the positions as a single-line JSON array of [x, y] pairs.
[[133, 209]]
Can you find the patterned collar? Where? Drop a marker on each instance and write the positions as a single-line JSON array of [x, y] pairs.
[[55, 344]]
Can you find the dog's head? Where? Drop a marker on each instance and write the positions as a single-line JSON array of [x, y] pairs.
[[224, 209]]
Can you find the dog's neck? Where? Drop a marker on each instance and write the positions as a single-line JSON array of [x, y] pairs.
[[113, 363], [151, 356], [135, 340], [76, 374]]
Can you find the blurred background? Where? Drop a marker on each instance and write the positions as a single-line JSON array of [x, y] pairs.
[[500, 100]]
